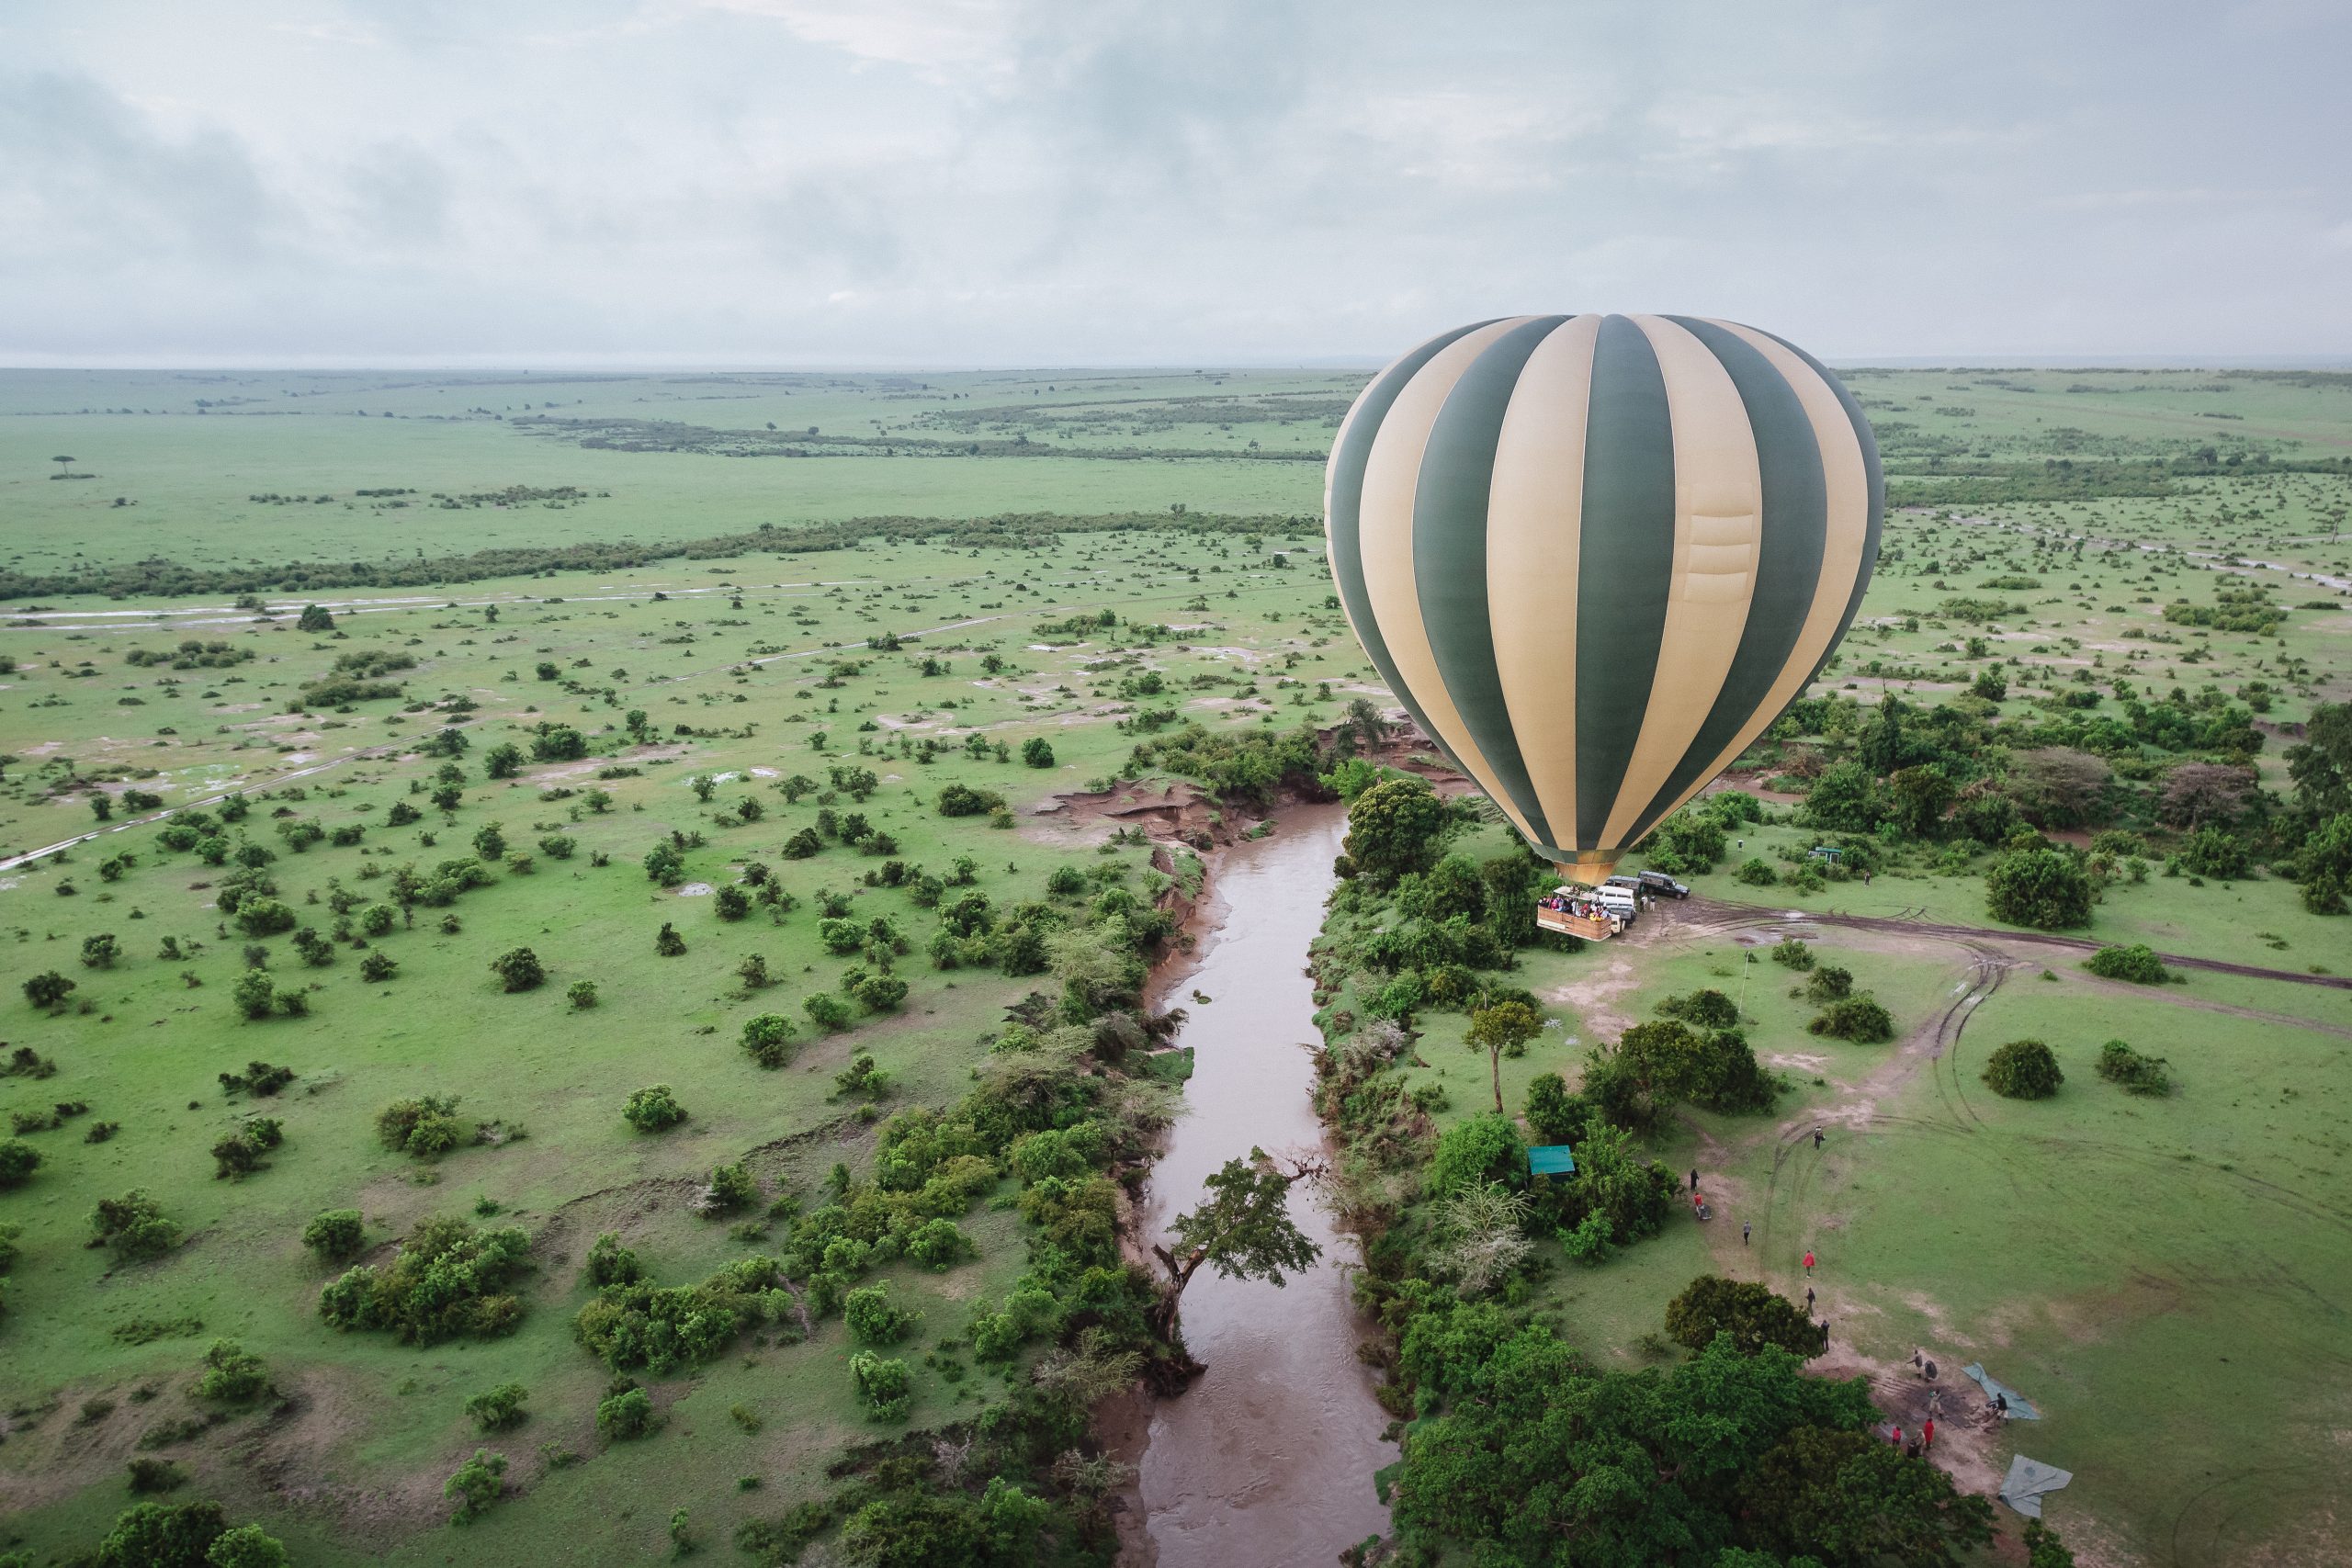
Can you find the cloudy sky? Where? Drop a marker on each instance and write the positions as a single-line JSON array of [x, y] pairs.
[[1031, 181]]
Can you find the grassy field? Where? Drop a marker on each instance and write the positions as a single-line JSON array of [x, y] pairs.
[[2103, 1254]]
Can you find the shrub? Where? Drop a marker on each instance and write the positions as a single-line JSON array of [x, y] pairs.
[[1860, 1018], [732, 1186], [1037, 751], [582, 994], [2214, 852], [873, 1320], [881, 993], [2045, 889], [1486, 1148], [233, 1374], [247, 1546], [336, 1235], [1793, 952], [161, 1535], [18, 1160], [2137, 963], [1756, 873], [133, 1225], [827, 1010], [939, 1244], [1554, 1114], [2023, 1069], [518, 970], [149, 1474], [476, 1486], [426, 1127], [625, 1416], [2119, 1063], [238, 1154], [1830, 982], [448, 1282], [639, 1324], [653, 1108], [962, 800], [47, 989], [667, 942], [882, 1384], [496, 1409], [1751, 1313], [377, 967], [731, 903], [768, 1039], [1707, 1009]]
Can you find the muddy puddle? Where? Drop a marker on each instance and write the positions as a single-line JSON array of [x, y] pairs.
[[1268, 1457]]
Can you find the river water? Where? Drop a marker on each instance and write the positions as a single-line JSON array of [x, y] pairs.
[[1268, 1458]]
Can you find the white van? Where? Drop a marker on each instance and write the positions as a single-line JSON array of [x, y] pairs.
[[1619, 901]]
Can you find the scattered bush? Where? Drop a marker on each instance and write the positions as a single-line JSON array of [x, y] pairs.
[[18, 1160], [426, 1128], [2137, 963], [1860, 1018], [2045, 889], [449, 1280], [873, 1320], [768, 1038], [883, 1385], [1794, 953], [626, 1416], [233, 1374], [2119, 1063], [476, 1485], [1751, 1313], [2023, 1069], [496, 1409], [47, 989], [518, 970], [337, 1236], [828, 1011], [238, 1155], [133, 1225], [653, 1109]]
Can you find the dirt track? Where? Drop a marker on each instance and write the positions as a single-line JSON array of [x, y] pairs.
[[1702, 911]]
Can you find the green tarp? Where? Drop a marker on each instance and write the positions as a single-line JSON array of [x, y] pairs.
[[2026, 1481], [1551, 1160], [2019, 1409]]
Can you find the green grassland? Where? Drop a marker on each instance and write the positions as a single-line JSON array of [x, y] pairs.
[[2102, 1252]]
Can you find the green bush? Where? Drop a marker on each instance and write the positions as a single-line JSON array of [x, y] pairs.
[[2023, 1069], [873, 1320], [2119, 1063], [247, 1546], [1860, 1018], [1751, 1313], [768, 1038], [232, 1375], [1756, 873], [519, 970], [1555, 1116], [1706, 1009], [1828, 984], [939, 1244], [884, 1385], [476, 1485], [732, 1186], [635, 1325], [2045, 889], [1486, 1148], [133, 1225], [827, 1010], [496, 1409], [2137, 963], [426, 1127], [1037, 751], [653, 1108], [625, 1416], [1793, 952], [336, 1235], [18, 1160], [448, 1282], [162, 1535]]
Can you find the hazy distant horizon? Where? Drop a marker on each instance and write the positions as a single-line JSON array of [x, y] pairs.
[[922, 183]]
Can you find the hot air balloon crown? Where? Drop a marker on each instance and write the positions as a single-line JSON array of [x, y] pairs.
[[1596, 556]]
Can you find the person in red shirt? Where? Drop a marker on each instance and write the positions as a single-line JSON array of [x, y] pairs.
[[1897, 1438], [1928, 1436], [1808, 1262]]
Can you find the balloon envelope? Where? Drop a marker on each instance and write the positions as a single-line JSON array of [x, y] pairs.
[[1596, 556]]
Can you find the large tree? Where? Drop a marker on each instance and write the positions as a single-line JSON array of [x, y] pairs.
[[1507, 1027], [1242, 1229], [2320, 765], [1397, 826], [1754, 1315]]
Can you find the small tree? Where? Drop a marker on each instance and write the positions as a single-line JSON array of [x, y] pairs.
[[315, 619], [768, 1038], [733, 903], [233, 1374], [625, 1416], [873, 1320], [1506, 1028], [162, 1535], [47, 989], [18, 1160], [2119, 1063], [2023, 1069], [100, 952], [496, 1409], [247, 1546], [2137, 963], [882, 1383], [2046, 889], [1242, 1229], [337, 1236], [732, 1186], [133, 1225], [1751, 1313], [1037, 751], [667, 942], [476, 1486], [653, 1109], [502, 760], [582, 994], [1397, 826], [519, 970]]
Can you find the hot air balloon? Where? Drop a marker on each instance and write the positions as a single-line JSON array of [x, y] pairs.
[[1596, 556]]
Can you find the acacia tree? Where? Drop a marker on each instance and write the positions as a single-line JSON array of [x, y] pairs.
[[2195, 791], [1505, 1027], [1243, 1230]]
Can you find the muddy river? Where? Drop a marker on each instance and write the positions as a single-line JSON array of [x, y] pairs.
[[1268, 1457]]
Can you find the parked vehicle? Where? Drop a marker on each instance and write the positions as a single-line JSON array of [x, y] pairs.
[[1664, 886]]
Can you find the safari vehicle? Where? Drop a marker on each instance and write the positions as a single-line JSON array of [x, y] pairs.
[[1595, 914], [1654, 883]]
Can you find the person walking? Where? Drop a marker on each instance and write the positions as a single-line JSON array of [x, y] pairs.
[[1694, 1182], [1808, 1300], [1928, 1436], [1808, 1265], [1817, 1138], [1743, 1233]]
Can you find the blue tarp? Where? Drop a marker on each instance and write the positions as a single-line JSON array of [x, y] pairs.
[[2019, 1410], [1551, 1160]]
